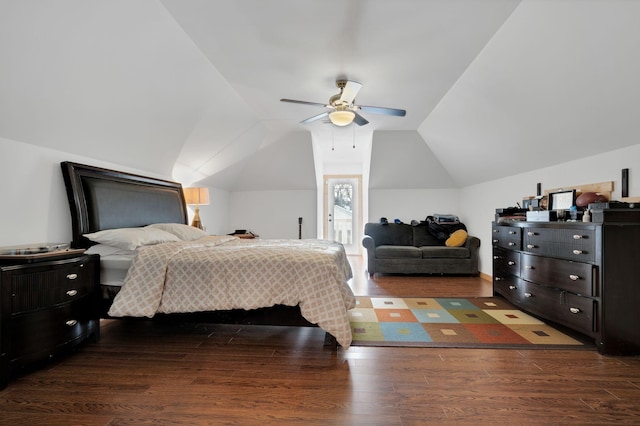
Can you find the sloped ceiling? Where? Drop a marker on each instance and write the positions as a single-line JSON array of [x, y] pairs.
[[401, 159], [191, 88], [559, 81]]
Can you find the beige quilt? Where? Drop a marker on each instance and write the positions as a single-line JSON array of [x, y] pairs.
[[224, 272]]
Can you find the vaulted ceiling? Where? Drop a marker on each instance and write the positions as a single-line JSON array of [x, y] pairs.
[[192, 87]]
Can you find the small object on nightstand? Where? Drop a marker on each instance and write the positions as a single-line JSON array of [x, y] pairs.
[[244, 234]]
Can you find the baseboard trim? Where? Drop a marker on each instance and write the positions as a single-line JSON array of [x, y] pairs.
[[486, 277]]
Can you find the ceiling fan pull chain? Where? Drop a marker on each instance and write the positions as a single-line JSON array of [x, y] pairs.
[[333, 139], [353, 128]]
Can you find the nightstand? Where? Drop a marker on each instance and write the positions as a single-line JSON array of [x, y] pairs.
[[49, 302]]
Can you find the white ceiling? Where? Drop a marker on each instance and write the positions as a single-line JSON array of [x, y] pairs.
[[192, 87]]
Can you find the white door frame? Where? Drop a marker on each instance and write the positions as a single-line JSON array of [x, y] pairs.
[[356, 180]]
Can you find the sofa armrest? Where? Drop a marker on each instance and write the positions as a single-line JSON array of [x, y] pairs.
[[472, 243], [370, 245]]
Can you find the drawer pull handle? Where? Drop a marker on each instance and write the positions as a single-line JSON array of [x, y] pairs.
[[531, 234], [498, 279], [574, 310], [577, 252], [495, 231], [495, 241], [512, 287], [577, 237], [72, 276], [71, 323], [511, 243], [497, 257], [528, 267], [72, 292], [511, 263], [512, 232], [531, 246], [574, 277], [528, 295]]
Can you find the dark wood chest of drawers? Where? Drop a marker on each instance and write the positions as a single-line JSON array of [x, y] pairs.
[[585, 276], [45, 307]]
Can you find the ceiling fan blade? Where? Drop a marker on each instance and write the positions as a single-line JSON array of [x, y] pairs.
[[349, 92], [293, 101], [360, 120], [383, 110], [314, 118]]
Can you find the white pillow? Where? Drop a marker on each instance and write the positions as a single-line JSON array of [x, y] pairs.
[[105, 250], [131, 238], [180, 230]]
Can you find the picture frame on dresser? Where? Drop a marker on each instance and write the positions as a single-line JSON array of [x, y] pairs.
[[562, 200]]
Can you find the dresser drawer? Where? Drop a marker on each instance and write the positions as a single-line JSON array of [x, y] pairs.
[[509, 237], [576, 312], [506, 262], [509, 286], [572, 244], [575, 277], [37, 289], [42, 331]]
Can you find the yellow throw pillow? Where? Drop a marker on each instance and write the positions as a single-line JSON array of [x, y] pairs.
[[457, 239]]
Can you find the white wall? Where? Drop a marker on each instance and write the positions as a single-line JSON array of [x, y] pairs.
[[478, 202], [34, 202], [215, 216], [410, 204], [273, 214], [34, 206]]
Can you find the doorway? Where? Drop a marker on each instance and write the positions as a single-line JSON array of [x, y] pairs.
[[343, 211]]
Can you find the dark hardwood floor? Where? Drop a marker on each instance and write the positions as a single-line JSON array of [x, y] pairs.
[[150, 372]]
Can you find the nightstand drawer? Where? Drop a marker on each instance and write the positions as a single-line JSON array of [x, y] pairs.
[[39, 288], [46, 306], [38, 332]]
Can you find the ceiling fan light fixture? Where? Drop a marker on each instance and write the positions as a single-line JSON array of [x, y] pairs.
[[342, 117]]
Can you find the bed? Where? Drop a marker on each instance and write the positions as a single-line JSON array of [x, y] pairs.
[[154, 265]]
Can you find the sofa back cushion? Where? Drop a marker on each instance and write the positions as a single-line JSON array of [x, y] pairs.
[[422, 236], [392, 234]]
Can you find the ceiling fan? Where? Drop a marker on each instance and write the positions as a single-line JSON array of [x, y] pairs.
[[343, 110]]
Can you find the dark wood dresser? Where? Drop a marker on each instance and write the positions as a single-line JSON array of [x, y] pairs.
[[48, 303], [585, 276]]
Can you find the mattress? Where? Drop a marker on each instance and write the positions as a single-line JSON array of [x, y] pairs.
[[114, 268]]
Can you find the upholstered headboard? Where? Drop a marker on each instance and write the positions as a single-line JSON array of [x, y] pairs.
[[107, 199]]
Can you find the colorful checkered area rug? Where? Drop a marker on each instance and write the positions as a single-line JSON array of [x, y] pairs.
[[452, 322]]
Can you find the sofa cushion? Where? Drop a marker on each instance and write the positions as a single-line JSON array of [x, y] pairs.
[[422, 236], [444, 252], [393, 234], [398, 252]]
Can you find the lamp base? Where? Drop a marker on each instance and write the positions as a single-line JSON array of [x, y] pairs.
[[196, 223]]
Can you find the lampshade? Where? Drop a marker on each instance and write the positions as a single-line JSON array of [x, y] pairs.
[[341, 117], [197, 196]]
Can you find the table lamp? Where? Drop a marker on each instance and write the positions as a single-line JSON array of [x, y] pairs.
[[197, 197]]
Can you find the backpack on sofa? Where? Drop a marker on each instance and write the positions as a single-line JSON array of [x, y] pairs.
[[442, 230]]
